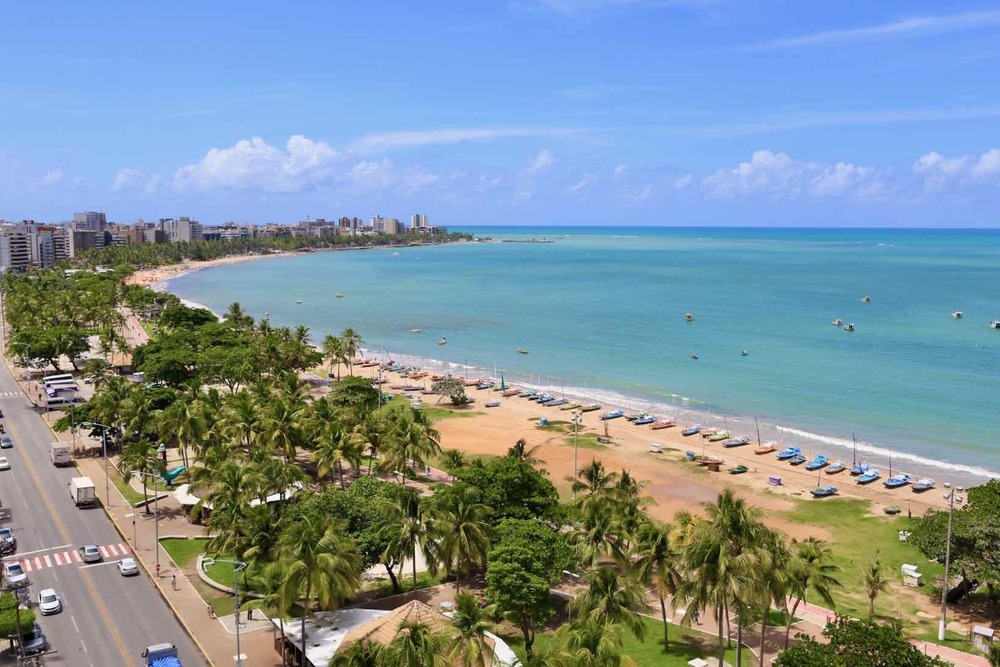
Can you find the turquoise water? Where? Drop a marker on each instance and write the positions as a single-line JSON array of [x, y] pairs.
[[601, 312]]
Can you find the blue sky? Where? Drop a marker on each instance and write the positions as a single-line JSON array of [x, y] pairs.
[[660, 112]]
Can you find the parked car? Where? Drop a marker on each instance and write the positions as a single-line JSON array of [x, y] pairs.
[[15, 575], [91, 553], [128, 567], [6, 442], [33, 641], [49, 602], [4, 463], [8, 543]]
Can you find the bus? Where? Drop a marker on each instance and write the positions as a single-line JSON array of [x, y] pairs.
[[60, 384], [57, 378], [63, 401]]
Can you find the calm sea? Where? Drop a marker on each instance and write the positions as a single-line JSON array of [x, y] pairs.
[[601, 314]]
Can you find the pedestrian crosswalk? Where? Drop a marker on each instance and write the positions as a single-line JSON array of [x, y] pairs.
[[58, 558], [11, 394]]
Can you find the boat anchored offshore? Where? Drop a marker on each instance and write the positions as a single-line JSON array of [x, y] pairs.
[[521, 350], [415, 330], [837, 322], [995, 324], [688, 317], [849, 327], [824, 491], [957, 314]]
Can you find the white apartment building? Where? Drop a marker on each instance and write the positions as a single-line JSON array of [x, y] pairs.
[[94, 221]]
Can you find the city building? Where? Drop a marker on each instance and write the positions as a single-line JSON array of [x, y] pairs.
[[94, 221], [418, 221]]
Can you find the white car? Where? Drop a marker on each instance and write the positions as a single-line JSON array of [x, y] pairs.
[[49, 602], [91, 554], [128, 567], [14, 574], [4, 463]]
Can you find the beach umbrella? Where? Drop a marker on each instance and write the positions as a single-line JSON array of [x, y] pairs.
[[503, 385]]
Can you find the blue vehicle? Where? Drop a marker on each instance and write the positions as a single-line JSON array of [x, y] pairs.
[[869, 476], [797, 460], [897, 481], [788, 453], [817, 463]]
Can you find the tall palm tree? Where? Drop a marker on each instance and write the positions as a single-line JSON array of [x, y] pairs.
[[238, 318], [810, 568], [352, 345], [374, 432], [453, 460], [321, 566], [333, 351], [522, 452], [267, 583], [874, 580], [417, 645], [658, 563], [231, 486], [461, 523], [597, 536], [415, 531], [771, 581], [361, 654], [593, 482], [472, 647], [140, 456], [412, 438], [612, 598], [589, 643], [240, 419], [182, 421], [281, 427]]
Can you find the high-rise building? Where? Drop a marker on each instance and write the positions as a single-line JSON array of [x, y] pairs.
[[390, 226], [418, 221], [62, 241], [15, 250], [94, 221]]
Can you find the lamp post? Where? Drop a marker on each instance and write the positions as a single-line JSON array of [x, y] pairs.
[[238, 566], [104, 441], [156, 516], [27, 360], [576, 438], [947, 565]]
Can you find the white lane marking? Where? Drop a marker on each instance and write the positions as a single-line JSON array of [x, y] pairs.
[[58, 559], [36, 551], [113, 549], [67, 559], [38, 562], [76, 556], [48, 561], [26, 564], [107, 562], [104, 552]]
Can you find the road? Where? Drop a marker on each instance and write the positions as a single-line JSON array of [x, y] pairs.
[[107, 619]]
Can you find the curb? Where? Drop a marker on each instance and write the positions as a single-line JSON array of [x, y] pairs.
[[221, 587]]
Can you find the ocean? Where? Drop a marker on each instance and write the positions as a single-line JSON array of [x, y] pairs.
[[600, 312]]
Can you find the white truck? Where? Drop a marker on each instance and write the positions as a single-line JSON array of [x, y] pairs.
[[81, 490], [60, 455]]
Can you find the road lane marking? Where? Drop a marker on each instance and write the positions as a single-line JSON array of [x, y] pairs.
[[32, 553], [77, 557], [48, 561], [26, 564], [58, 560], [101, 564], [98, 603]]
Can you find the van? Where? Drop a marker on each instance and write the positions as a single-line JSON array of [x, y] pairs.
[[63, 401], [46, 381]]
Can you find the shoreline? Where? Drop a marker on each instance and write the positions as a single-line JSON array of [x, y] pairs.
[[158, 278]]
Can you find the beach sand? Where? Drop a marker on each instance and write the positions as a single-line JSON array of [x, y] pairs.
[[157, 277]]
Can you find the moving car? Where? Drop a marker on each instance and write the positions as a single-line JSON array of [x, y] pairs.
[[33, 641], [4, 463], [128, 567], [49, 602], [8, 543], [14, 574], [91, 553], [6, 442]]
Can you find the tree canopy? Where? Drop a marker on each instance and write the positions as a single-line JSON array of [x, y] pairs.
[[855, 643]]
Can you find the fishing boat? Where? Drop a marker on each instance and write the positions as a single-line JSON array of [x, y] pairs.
[[634, 415], [555, 402], [415, 330], [817, 463], [897, 481], [738, 441], [663, 423], [859, 469], [995, 324], [738, 470], [688, 317], [719, 436], [643, 420], [511, 392], [710, 460], [849, 327], [837, 322], [570, 406], [835, 467], [797, 460], [527, 393], [892, 510], [766, 448], [824, 491], [443, 341], [484, 385], [493, 404], [339, 295], [788, 452], [590, 408], [694, 429], [923, 484], [521, 350], [957, 314], [709, 432], [614, 414], [869, 476], [866, 299]]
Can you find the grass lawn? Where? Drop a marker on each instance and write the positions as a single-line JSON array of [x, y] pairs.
[[132, 496], [685, 644], [856, 538], [383, 588], [585, 440], [183, 552], [436, 413]]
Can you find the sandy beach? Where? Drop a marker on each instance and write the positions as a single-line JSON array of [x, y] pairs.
[[156, 278]]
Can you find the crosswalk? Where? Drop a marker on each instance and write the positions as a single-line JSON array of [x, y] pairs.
[[70, 557], [11, 394]]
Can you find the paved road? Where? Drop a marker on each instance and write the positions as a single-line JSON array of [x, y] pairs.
[[107, 619]]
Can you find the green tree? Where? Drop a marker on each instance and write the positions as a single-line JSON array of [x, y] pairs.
[[472, 647], [333, 351], [417, 645], [522, 452], [352, 343], [451, 387], [589, 643], [875, 582], [519, 595], [415, 529], [360, 654], [612, 599], [810, 568], [854, 643], [514, 489], [461, 524], [321, 567], [658, 562], [139, 456]]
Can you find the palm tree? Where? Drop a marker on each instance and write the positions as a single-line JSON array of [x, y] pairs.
[[333, 350], [321, 564], [140, 456], [593, 481], [772, 584], [612, 598], [417, 645], [453, 459], [373, 431], [659, 562], [352, 345], [874, 580], [182, 421], [589, 643], [412, 438], [415, 531], [238, 318], [240, 419], [520, 451], [810, 568], [461, 523], [472, 647], [360, 654], [597, 536], [281, 427], [268, 584]]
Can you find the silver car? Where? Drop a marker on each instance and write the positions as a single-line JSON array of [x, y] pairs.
[[127, 567], [91, 553]]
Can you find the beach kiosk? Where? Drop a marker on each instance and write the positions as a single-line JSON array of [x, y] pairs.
[[982, 638]]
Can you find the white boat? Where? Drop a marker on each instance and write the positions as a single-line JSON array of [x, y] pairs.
[[837, 322], [848, 327], [299, 301], [957, 314], [688, 317], [995, 324], [443, 341], [416, 330]]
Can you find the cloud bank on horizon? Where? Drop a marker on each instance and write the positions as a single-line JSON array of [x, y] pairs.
[[683, 112]]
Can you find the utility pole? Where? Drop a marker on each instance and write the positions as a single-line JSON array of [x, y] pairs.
[[576, 442], [947, 565], [238, 566]]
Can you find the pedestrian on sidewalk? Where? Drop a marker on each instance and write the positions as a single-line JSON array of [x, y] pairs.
[[173, 581], [697, 617], [211, 610]]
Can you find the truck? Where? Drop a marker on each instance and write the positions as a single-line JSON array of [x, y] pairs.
[[60, 455], [81, 490], [161, 655]]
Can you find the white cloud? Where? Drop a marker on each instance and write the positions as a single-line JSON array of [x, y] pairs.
[[540, 163], [777, 175], [682, 182], [620, 171], [388, 141], [585, 182], [51, 178], [255, 165], [416, 179], [907, 27], [988, 163], [937, 170], [372, 175], [132, 179]]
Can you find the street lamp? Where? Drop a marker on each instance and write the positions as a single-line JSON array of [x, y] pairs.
[[577, 417], [238, 566], [104, 439], [947, 564], [27, 360], [156, 515]]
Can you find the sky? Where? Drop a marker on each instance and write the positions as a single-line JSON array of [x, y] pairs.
[[505, 112]]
